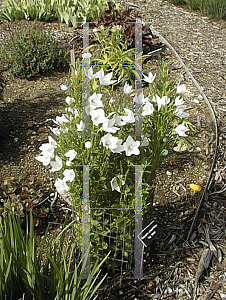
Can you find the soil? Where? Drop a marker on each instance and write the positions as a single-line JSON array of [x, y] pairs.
[[170, 263]]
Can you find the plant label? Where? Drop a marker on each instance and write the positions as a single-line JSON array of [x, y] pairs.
[[149, 233]]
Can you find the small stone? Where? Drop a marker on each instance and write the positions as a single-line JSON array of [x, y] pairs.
[[168, 173], [30, 124], [214, 205]]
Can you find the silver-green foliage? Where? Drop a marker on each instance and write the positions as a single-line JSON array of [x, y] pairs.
[[48, 272], [72, 12]]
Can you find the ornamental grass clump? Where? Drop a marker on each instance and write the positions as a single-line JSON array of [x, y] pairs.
[[48, 271], [30, 52], [100, 130], [215, 8]]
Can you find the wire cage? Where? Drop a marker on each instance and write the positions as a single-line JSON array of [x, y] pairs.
[[112, 231]]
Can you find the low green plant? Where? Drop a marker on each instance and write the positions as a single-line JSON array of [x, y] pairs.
[[31, 52], [111, 53], [48, 272], [72, 12]]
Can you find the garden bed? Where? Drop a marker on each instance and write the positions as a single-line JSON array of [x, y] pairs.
[[27, 108]]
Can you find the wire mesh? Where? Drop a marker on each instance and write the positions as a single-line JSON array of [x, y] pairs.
[[112, 231]]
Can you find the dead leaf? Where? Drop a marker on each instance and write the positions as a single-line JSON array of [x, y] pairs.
[[203, 264]]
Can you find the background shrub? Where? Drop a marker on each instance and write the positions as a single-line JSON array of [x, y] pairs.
[[31, 52]]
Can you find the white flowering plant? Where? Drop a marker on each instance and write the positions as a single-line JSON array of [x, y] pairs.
[[111, 146]]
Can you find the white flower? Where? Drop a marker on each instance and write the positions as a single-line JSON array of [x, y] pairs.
[[98, 116], [80, 126], [47, 151], [131, 147], [118, 120], [179, 101], [181, 129], [145, 142], [181, 89], [63, 87], [71, 154], [129, 118], [119, 148], [127, 89], [45, 160], [52, 142], [148, 108], [69, 175], [86, 55], [164, 152], [105, 79], [47, 148], [73, 111], [108, 125], [88, 144], [55, 130], [161, 101], [109, 141], [57, 164], [88, 109], [61, 186], [60, 120], [69, 100], [180, 111], [95, 100], [114, 185], [90, 74], [150, 78]]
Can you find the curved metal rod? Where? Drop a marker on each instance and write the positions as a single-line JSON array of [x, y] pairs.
[[213, 115]]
